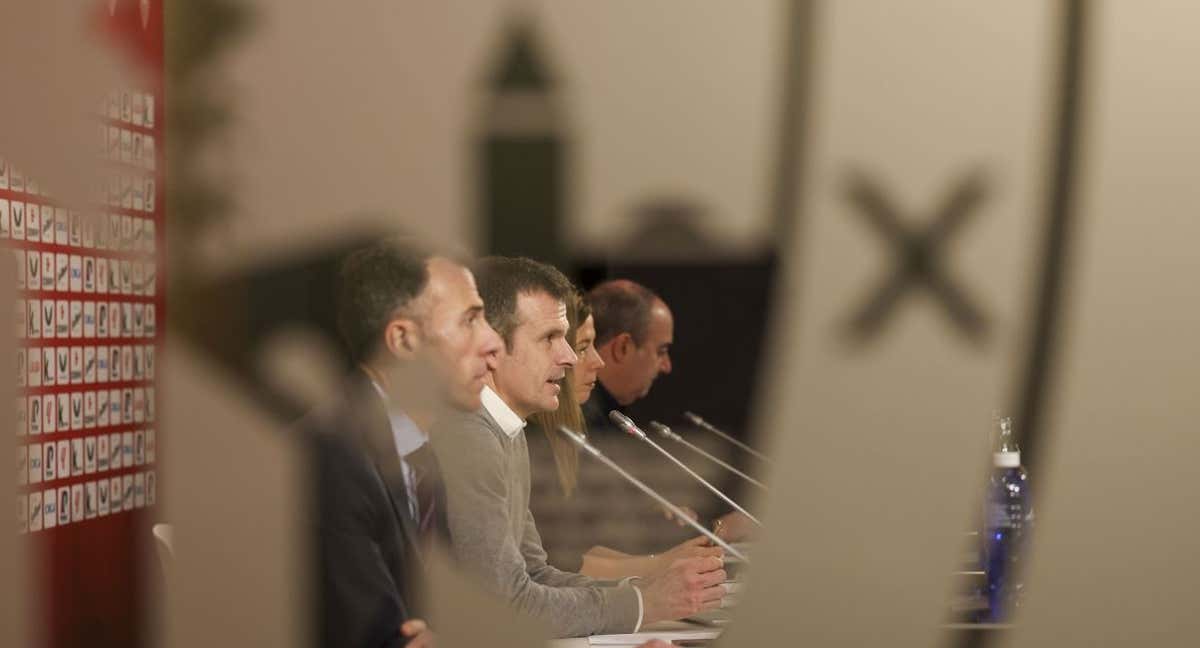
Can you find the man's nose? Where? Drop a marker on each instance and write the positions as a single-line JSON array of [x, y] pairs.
[[491, 343], [665, 365], [567, 355]]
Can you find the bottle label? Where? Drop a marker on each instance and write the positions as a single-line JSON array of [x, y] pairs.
[[1007, 515], [1006, 459]]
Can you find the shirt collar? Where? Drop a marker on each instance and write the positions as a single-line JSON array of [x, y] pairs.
[[407, 436], [501, 412]]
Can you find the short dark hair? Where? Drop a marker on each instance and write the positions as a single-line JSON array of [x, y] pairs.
[[375, 283], [621, 306], [502, 279]]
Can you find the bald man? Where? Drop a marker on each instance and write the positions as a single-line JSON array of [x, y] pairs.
[[634, 331]]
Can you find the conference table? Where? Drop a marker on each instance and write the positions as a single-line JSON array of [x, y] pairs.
[[966, 634], [646, 634]]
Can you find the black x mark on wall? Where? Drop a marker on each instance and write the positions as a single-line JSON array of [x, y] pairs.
[[917, 258]]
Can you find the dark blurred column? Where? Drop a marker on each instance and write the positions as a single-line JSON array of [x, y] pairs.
[[522, 152]]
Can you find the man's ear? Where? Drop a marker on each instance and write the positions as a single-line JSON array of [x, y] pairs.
[[622, 347], [401, 339]]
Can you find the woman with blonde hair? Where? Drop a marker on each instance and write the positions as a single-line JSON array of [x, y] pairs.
[[598, 562]]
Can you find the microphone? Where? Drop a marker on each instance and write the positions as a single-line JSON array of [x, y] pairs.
[[578, 440], [629, 427], [666, 433], [701, 423]]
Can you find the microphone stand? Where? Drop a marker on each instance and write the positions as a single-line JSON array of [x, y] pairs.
[[667, 433], [626, 424], [699, 422], [578, 440]]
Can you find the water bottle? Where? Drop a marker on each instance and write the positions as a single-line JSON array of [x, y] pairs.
[[1008, 523]]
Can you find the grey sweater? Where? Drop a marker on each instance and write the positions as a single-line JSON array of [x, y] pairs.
[[486, 474]]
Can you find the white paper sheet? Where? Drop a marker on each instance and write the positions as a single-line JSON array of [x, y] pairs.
[[638, 638]]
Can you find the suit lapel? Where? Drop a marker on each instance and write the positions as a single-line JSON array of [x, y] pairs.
[[377, 438], [431, 494]]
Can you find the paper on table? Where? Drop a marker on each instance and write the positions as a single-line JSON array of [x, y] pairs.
[[639, 638]]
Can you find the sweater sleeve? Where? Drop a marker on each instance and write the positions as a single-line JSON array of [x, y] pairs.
[[483, 534], [540, 570]]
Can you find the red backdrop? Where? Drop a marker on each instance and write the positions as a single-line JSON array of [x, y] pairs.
[[95, 571]]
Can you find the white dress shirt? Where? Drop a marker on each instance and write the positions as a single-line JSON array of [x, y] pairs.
[[501, 412]]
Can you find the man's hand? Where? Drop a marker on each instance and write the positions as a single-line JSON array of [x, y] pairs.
[[695, 548], [735, 527], [655, 643], [419, 635], [686, 587], [687, 511]]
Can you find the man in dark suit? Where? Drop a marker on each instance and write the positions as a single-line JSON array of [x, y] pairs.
[[414, 322], [634, 332]]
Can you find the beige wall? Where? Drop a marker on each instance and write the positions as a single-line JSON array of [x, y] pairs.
[[373, 106], [1116, 543], [882, 446]]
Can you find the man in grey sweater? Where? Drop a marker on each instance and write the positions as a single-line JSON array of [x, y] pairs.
[[485, 467]]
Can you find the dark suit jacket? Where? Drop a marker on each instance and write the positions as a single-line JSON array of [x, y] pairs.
[[596, 409], [431, 494], [367, 553]]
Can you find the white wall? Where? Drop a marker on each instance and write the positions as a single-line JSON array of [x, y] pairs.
[[356, 105]]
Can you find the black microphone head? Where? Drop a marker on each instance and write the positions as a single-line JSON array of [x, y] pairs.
[[626, 424], [663, 431]]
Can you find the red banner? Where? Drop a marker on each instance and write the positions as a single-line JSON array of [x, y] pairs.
[[90, 318]]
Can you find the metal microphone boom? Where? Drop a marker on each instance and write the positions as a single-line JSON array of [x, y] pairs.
[[631, 428], [699, 422], [578, 440], [667, 433]]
